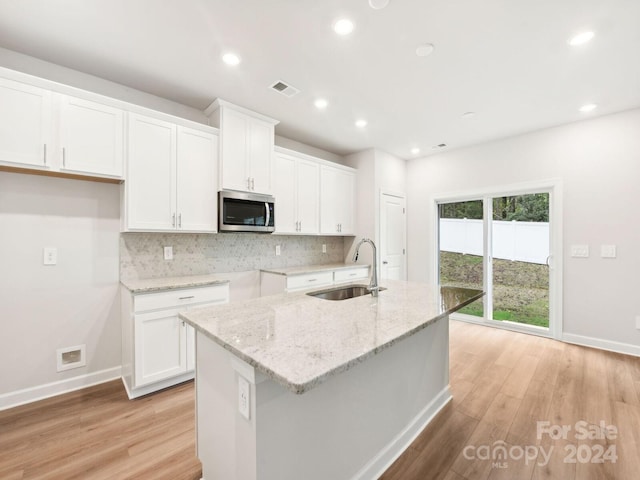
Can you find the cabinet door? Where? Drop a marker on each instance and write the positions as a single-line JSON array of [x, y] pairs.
[[284, 182], [160, 346], [91, 137], [260, 153], [308, 198], [151, 172], [197, 180], [25, 124], [234, 131], [329, 200], [346, 206]]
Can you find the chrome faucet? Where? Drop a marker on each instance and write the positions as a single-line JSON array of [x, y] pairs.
[[373, 284]]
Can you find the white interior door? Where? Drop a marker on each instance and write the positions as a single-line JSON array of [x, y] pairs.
[[393, 233]]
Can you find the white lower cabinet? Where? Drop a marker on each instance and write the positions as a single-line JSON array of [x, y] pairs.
[[274, 283], [158, 349], [160, 346]]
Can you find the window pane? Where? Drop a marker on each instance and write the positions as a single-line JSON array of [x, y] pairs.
[[461, 252], [520, 233]]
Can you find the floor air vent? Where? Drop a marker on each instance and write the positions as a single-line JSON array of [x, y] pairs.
[[284, 88]]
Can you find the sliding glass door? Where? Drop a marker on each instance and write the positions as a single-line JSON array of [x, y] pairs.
[[502, 243]]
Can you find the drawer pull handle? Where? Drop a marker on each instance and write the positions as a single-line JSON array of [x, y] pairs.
[[187, 298], [312, 280]]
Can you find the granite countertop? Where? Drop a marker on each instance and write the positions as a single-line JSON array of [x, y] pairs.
[[299, 341], [168, 283], [313, 268]]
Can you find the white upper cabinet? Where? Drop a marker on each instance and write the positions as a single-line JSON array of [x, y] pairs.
[[171, 177], [48, 130], [246, 147], [337, 200], [25, 124], [297, 193], [197, 180], [91, 137], [151, 173]]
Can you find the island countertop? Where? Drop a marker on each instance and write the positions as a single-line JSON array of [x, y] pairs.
[[299, 340]]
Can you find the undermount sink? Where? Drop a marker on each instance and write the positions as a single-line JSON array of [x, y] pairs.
[[343, 293]]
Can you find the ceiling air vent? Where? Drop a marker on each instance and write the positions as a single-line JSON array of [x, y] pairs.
[[284, 88]]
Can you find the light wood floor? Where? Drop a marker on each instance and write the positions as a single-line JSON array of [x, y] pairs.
[[502, 382], [98, 433]]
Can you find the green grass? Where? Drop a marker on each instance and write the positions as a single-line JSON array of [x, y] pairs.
[[520, 296]]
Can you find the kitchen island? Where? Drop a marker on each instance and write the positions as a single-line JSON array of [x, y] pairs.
[[291, 386]]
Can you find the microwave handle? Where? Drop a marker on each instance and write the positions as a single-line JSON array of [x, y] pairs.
[[266, 205]]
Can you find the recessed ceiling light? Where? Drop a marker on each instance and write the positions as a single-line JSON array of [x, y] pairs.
[[424, 50], [343, 26], [588, 107], [415, 150], [231, 59], [378, 4], [581, 39], [468, 114], [321, 103], [361, 123]]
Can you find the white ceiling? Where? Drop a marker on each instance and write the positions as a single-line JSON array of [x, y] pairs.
[[506, 60]]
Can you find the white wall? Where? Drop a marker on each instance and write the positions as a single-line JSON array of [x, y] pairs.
[[366, 214], [49, 307], [308, 149], [377, 171], [66, 76], [599, 163]]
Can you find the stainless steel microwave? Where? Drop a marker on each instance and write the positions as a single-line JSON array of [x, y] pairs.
[[245, 212]]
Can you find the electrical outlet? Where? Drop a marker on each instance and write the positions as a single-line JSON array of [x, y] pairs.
[[324, 248], [168, 253], [50, 256], [243, 397], [277, 249]]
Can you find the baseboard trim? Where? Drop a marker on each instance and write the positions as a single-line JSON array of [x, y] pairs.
[[390, 453], [618, 347], [40, 392]]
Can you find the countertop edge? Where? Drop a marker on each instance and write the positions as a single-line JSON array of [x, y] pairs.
[[134, 288]]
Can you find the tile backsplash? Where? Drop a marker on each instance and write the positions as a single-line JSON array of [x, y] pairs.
[[141, 254]]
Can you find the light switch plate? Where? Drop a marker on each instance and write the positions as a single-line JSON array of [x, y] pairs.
[[277, 249], [638, 322], [580, 251], [608, 251], [168, 253], [324, 248], [50, 256]]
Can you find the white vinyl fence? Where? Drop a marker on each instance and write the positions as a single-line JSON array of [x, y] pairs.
[[521, 241]]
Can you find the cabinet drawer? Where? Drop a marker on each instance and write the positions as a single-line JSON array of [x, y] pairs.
[[178, 298], [310, 280], [350, 274]]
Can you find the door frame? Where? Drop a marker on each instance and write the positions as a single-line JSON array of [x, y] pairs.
[[403, 196], [552, 186]]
